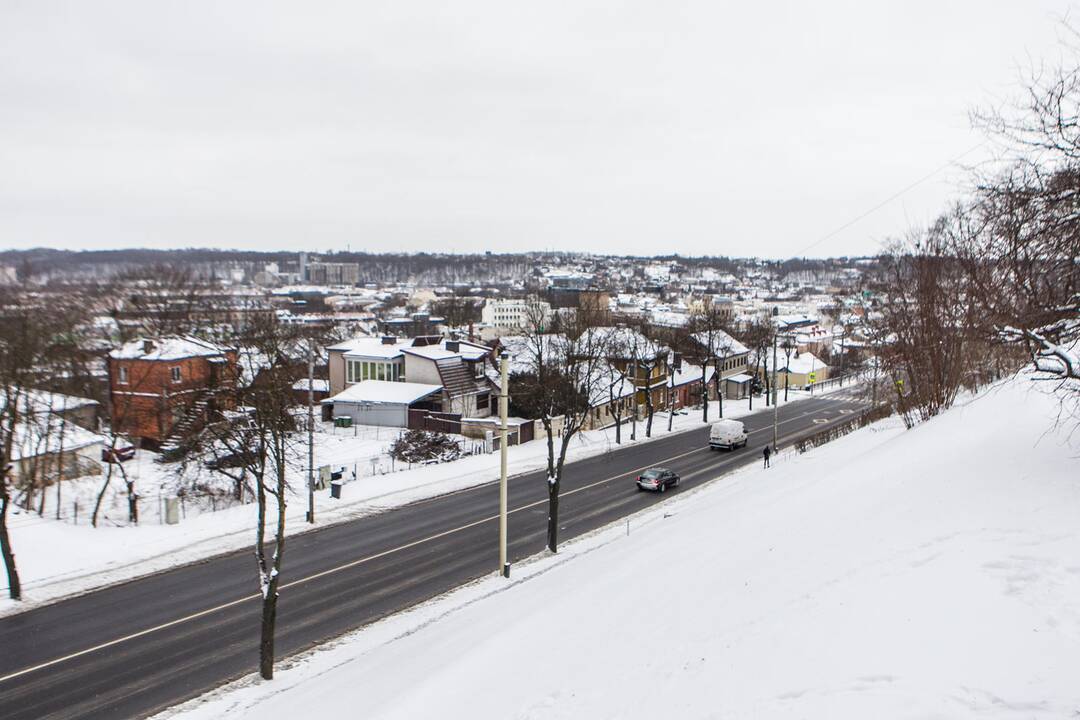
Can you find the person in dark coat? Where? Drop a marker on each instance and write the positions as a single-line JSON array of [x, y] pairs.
[[766, 453]]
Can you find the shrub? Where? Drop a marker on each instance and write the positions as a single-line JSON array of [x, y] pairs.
[[421, 446]]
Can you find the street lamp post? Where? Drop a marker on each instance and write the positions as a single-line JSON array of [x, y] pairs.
[[311, 432], [776, 409], [504, 401]]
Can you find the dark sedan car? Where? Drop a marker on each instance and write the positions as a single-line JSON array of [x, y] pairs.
[[658, 479]]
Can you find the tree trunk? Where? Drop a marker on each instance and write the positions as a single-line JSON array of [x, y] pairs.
[[719, 394], [554, 482], [671, 404], [133, 503], [104, 487], [618, 425], [553, 514], [266, 637], [14, 586], [648, 407], [704, 393], [270, 598]]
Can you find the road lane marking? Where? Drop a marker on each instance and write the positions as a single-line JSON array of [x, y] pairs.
[[359, 561]]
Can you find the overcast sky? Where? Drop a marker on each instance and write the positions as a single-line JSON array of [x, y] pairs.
[[635, 127]]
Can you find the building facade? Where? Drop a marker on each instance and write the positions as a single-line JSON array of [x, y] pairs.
[[155, 384]]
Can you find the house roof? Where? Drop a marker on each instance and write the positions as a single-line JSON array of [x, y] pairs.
[[41, 402], [45, 435], [385, 392], [805, 363], [438, 351], [317, 385], [170, 347], [691, 373], [372, 347], [723, 345]]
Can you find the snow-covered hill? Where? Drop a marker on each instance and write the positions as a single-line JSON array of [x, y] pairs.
[[927, 573]]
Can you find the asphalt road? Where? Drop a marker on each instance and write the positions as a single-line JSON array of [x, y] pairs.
[[134, 649]]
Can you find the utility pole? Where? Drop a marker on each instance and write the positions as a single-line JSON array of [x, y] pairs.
[[311, 432], [504, 402], [776, 408], [843, 337]]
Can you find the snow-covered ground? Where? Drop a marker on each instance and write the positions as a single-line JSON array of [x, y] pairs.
[[930, 573], [57, 558]]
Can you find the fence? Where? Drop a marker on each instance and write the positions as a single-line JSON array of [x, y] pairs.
[[833, 432], [449, 423]]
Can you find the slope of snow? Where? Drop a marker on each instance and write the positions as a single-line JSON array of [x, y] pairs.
[[931, 573]]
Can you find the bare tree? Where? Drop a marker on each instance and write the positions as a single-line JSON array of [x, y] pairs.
[[759, 338], [928, 317], [710, 343], [258, 445], [33, 332], [563, 377], [618, 380], [1021, 256]]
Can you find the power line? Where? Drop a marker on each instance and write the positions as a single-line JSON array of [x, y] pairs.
[[889, 199]]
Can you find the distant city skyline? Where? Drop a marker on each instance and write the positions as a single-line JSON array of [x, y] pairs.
[[620, 128]]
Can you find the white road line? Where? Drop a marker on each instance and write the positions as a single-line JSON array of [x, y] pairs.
[[352, 564]]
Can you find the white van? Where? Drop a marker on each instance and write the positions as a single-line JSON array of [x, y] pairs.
[[728, 434]]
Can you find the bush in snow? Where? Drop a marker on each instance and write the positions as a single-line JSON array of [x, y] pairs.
[[419, 446]]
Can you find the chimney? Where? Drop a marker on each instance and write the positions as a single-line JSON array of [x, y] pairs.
[[388, 339], [147, 347], [453, 345]]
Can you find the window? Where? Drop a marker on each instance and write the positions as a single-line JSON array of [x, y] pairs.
[[483, 401], [122, 375], [478, 370], [175, 372]]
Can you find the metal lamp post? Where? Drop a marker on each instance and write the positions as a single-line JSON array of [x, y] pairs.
[[311, 432], [787, 347], [776, 409], [504, 402]]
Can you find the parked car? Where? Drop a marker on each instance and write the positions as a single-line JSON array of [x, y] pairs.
[[118, 454], [658, 479], [727, 434]]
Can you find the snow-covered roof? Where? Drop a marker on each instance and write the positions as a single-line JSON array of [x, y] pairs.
[[372, 347], [385, 392], [467, 350], [317, 385], [48, 434], [691, 373], [626, 341], [42, 402], [172, 347], [723, 345], [805, 363]]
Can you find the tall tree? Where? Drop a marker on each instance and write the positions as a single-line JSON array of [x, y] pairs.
[[259, 445], [563, 376], [33, 332]]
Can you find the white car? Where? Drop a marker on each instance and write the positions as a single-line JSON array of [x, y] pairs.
[[727, 434]]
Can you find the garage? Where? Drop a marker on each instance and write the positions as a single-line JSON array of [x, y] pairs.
[[384, 403]]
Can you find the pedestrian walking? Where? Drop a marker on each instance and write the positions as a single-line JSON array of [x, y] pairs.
[[766, 453]]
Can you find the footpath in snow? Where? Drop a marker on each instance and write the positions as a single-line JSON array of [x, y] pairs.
[[57, 559], [925, 573]]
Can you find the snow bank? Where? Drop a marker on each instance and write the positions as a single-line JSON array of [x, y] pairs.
[[927, 573]]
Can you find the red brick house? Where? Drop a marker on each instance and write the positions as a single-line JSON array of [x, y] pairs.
[[157, 384]]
